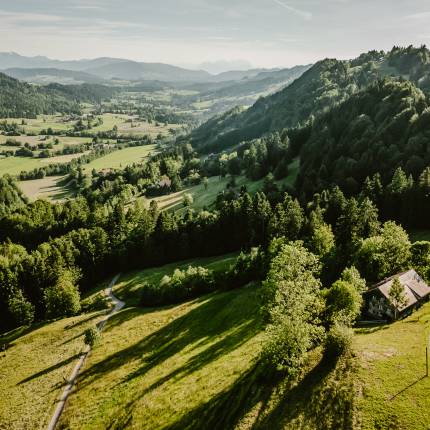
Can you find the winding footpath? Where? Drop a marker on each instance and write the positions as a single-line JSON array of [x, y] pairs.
[[118, 305]]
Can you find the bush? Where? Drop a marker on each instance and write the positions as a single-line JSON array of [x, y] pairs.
[[63, 298], [343, 303], [338, 341], [182, 285], [91, 336], [247, 268]]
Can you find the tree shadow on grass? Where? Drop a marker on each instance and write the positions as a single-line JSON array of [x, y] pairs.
[[267, 400], [217, 325], [7, 340], [51, 368], [322, 399], [84, 320], [407, 387]]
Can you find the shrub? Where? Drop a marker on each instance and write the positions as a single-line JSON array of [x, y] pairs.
[[91, 336], [343, 303], [182, 285], [63, 298], [247, 267], [151, 295], [338, 341]]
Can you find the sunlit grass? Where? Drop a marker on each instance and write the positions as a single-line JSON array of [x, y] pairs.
[[153, 367], [34, 368], [392, 367]]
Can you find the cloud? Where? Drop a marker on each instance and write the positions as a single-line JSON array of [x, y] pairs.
[[86, 7], [302, 13], [26, 17], [418, 16]]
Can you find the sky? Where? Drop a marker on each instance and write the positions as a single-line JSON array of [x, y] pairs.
[[261, 33]]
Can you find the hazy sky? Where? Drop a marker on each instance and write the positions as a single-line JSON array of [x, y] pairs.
[[262, 32]]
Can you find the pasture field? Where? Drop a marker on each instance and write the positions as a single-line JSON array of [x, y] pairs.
[[205, 198], [49, 188], [154, 367], [394, 389], [34, 368], [135, 128], [15, 165], [184, 366], [121, 158], [42, 122]]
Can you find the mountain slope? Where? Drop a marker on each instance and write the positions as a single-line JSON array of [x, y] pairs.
[[326, 84], [377, 130], [48, 75], [132, 70], [261, 82], [19, 99]]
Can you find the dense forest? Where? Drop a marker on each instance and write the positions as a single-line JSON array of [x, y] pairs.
[[377, 130], [324, 85], [22, 100]]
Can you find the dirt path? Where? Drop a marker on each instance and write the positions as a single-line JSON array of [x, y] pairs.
[[118, 304]]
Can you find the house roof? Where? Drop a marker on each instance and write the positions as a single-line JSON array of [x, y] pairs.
[[414, 287]]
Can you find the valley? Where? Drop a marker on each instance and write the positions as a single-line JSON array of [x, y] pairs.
[[262, 222]]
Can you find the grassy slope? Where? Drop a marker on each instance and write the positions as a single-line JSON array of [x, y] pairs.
[[194, 366], [392, 366], [15, 165], [50, 188], [152, 367], [33, 368], [121, 158], [203, 198]]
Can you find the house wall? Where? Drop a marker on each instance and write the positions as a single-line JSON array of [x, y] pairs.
[[378, 307]]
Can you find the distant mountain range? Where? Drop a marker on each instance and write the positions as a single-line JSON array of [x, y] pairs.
[[102, 70]]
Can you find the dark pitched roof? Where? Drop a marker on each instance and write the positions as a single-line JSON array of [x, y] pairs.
[[414, 287]]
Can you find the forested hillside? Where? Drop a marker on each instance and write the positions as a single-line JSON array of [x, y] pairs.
[[326, 84], [19, 99], [384, 127]]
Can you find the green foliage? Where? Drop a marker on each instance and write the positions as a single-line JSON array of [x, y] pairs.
[[21, 310], [321, 238], [292, 303], [91, 336], [187, 200], [380, 130], [288, 219], [63, 298], [11, 197], [19, 99], [338, 341], [248, 267], [420, 259], [397, 295], [343, 303], [353, 277], [182, 285], [385, 254]]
